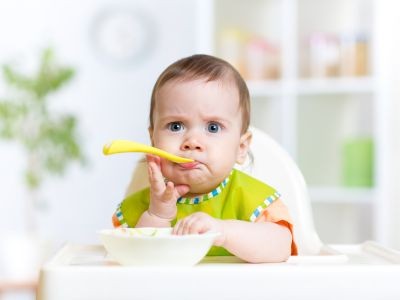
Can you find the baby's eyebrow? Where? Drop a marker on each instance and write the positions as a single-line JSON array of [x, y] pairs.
[[184, 118], [217, 119], [172, 118]]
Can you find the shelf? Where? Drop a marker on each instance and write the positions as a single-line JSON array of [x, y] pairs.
[[313, 117], [342, 195], [265, 88], [272, 88], [336, 85]]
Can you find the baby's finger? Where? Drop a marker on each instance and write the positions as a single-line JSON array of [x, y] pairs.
[[169, 191], [180, 225], [188, 225], [199, 228], [176, 227], [155, 176], [150, 157]]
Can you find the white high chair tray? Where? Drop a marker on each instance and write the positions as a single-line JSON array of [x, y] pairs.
[[364, 271]]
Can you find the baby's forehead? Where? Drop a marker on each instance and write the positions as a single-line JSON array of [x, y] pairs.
[[224, 83], [225, 79], [201, 86]]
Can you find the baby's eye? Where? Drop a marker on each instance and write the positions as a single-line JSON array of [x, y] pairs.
[[213, 127], [175, 126]]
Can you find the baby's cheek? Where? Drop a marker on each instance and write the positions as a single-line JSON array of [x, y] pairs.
[[167, 169]]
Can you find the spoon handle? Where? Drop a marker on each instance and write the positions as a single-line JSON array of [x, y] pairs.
[[122, 146]]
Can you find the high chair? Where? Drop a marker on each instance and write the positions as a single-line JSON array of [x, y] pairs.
[[270, 163], [318, 272]]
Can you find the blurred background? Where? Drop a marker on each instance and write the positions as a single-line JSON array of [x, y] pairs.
[[324, 82]]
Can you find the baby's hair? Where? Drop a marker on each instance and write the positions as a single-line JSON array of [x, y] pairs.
[[210, 68]]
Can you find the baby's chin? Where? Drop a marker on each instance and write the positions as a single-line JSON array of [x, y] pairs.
[[197, 186], [197, 192], [188, 177], [202, 188]]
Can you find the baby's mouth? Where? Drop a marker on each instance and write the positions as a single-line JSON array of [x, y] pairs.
[[189, 165]]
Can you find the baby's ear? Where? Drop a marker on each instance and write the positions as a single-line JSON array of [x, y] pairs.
[[245, 141]]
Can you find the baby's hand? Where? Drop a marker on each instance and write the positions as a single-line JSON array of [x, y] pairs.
[[200, 222], [162, 196]]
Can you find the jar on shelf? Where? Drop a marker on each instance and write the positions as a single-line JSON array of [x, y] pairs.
[[261, 59], [358, 162], [354, 55], [323, 55], [231, 47]]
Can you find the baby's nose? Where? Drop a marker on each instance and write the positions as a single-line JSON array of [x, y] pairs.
[[192, 144]]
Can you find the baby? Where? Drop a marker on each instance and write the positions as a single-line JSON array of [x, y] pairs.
[[200, 109]]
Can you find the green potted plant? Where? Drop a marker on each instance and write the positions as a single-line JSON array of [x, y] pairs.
[[49, 138]]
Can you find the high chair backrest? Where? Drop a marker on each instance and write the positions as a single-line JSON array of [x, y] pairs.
[[272, 165]]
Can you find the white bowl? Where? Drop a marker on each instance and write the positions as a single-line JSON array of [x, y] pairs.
[[155, 246]]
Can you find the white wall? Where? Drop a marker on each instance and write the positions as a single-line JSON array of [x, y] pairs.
[[111, 100], [388, 204]]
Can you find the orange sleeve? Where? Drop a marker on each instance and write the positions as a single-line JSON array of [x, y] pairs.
[[278, 213], [116, 223]]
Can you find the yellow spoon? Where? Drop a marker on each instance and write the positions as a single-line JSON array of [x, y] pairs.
[[121, 146]]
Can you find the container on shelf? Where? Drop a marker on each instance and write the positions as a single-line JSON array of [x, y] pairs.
[[358, 164], [323, 55], [231, 46], [253, 56], [261, 59], [354, 55]]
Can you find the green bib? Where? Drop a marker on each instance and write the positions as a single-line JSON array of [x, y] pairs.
[[238, 197]]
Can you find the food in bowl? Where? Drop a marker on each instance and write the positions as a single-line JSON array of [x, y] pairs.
[[155, 246]]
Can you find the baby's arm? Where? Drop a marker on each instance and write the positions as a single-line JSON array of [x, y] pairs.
[[162, 209], [257, 242], [252, 242]]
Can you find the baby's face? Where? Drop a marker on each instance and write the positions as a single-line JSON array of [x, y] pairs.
[[199, 120]]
